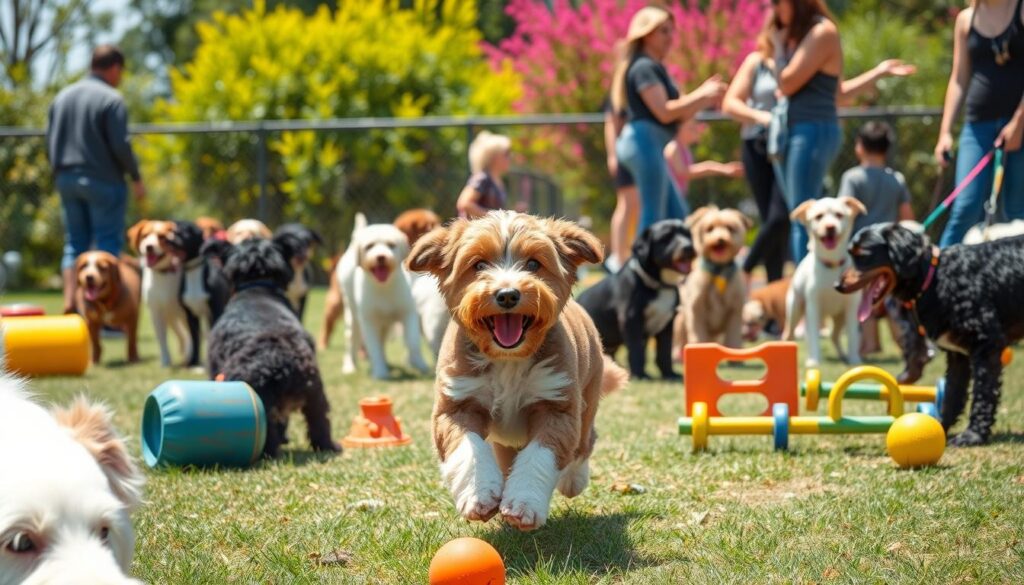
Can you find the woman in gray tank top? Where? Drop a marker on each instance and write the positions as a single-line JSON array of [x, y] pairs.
[[749, 100]]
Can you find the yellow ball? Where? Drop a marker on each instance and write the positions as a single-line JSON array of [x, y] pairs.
[[916, 440]]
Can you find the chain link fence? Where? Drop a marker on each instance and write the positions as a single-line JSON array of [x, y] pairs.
[[322, 172]]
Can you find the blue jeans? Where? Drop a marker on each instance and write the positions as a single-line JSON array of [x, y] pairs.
[[93, 212], [811, 149], [968, 209], [641, 148]]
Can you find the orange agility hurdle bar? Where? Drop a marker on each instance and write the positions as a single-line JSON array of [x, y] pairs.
[[779, 384]]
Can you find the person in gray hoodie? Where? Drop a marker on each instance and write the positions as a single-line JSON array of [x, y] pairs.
[[89, 150]]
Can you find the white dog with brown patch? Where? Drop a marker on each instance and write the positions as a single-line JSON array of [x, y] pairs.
[[377, 295], [67, 488], [161, 285], [812, 294], [520, 372]]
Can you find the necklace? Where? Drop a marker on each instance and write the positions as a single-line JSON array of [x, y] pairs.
[[1001, 44]]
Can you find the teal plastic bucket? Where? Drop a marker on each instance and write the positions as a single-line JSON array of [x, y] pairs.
[[203, 423]]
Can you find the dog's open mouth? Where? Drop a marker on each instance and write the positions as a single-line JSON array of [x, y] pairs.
[[720, 247], [830, 241], [153, 258], [683, 266], [877, 285], [508, 329], [381, 273], [91, 292]]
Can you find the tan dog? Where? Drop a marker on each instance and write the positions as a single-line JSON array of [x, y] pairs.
[[108, 294], [244, 229], [210, 226], [520, 367], [713, 295], [767, 303], [414, 223]]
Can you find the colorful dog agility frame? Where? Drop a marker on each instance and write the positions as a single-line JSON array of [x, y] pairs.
[[779, 385]]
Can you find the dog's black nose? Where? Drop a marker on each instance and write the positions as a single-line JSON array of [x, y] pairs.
[[90, 280], [507, 298]]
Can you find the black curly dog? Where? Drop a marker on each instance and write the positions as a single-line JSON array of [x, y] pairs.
[[640, 300], [969, 299], [260, 341]]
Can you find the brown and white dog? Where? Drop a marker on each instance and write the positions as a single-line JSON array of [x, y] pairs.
[[108, 294], [521, 365], [212, 227], [161, 284], [714, 293]]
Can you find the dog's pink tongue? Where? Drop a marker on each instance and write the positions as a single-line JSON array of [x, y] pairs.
[[380, 273], [867, 299], [91, 293], [508, 329]]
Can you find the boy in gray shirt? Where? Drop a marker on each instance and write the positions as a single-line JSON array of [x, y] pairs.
[[882, 190], [884, 193]]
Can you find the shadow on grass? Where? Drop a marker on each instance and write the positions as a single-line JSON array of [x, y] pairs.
[[572, 542], [1013, 438]]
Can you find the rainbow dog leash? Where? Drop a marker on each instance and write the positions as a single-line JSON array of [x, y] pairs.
[[997, 184]]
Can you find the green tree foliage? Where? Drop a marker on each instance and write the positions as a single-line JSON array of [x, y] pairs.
[[372, 59]]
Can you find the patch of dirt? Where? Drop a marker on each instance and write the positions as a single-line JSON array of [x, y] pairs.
[[770, 492]]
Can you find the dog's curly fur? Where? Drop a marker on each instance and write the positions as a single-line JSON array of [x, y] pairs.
[[971, 307], [260, 341]]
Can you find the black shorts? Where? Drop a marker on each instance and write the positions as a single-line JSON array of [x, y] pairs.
[[623, 178]]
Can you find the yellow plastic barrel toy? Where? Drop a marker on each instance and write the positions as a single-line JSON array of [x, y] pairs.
[[46, 345]]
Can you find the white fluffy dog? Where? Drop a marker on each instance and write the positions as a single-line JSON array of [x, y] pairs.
[[829, 222], [67, 487], [377, 294]]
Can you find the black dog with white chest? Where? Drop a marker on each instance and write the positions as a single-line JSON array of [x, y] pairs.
[[204, 289], [966, 298], [260, 341], [640, 300]]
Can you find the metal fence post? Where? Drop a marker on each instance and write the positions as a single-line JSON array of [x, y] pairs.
[[261, 170], [469, 140]]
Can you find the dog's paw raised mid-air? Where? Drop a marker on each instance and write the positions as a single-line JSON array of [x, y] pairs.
[[968, 438]]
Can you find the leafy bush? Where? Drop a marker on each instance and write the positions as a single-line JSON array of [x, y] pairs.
[[371, 58]]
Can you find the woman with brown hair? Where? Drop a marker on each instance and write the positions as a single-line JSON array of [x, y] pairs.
[[654, 107], [988, 74], [749, 100]]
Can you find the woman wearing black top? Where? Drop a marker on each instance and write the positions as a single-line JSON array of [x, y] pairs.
[[988, 74], [654, 107]]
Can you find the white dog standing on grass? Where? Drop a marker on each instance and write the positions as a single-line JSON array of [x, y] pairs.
[[812, 295], [376, 292], [67, 487]]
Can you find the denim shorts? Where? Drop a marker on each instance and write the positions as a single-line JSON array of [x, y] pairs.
[[640, 148], [93, 212]]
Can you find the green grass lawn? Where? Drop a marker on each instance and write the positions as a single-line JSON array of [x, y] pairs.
[[832, 510]]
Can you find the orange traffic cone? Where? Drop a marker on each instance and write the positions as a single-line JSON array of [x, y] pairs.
[[376, 426]]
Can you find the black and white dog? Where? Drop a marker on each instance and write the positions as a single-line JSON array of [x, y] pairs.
[[299, 243], [967, 299], [204, 290], [260, 341], [640, 300]]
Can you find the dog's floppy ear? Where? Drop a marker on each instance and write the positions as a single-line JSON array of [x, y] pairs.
[[800, 213], [135, 233], [216, 249], [90, 425], [694, 218], [642, 244], [575, 244], [855, 205], [905, 247], [428, 253], [743, 218]]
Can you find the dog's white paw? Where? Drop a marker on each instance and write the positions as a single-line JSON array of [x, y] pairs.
[[473, 476], [348, 366], [530, 485], [575, 478]]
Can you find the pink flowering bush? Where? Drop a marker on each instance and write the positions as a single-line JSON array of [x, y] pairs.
[[564, 60]]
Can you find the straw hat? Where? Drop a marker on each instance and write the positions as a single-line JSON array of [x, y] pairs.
[[645, 21]]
